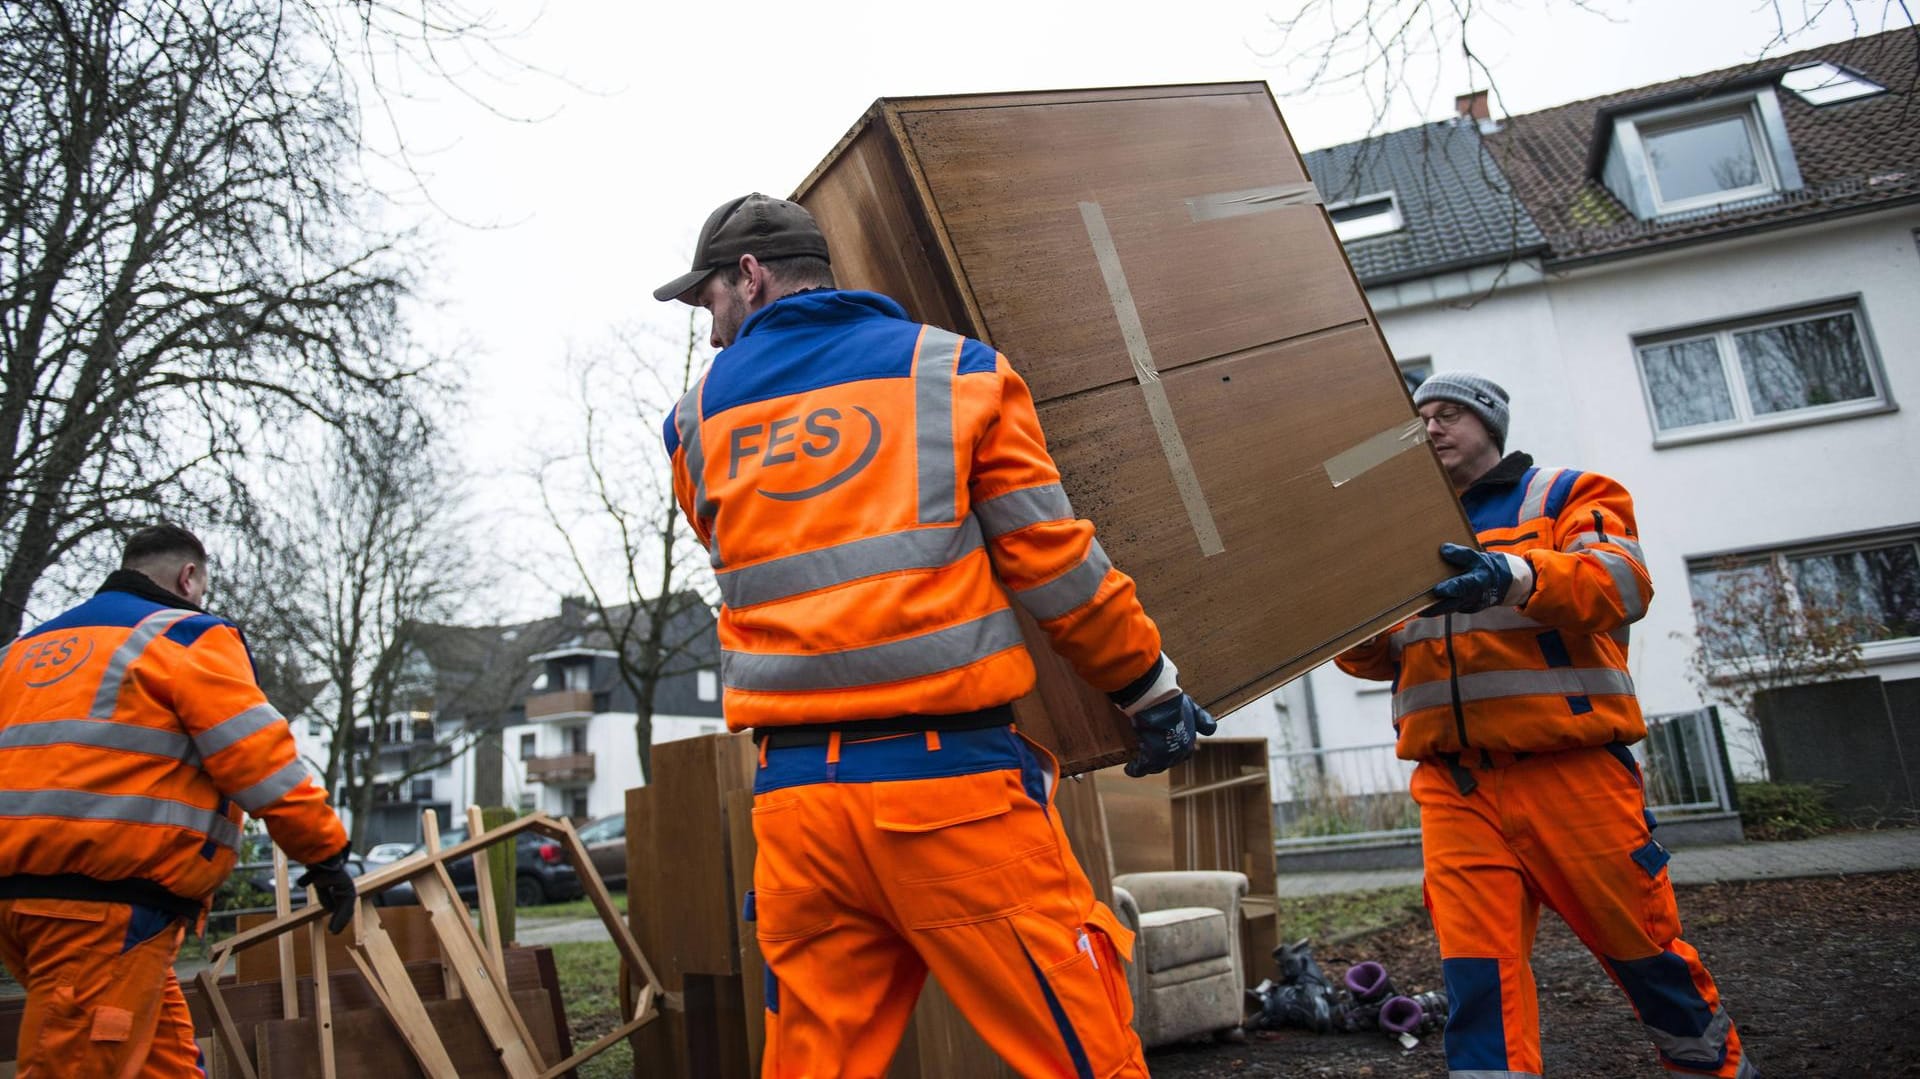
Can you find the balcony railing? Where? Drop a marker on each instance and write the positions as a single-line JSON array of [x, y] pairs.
[[565, 768], [560, 702]]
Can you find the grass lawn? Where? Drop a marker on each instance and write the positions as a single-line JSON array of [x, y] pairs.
[[590, 984], [1331, 918], [572, 908]]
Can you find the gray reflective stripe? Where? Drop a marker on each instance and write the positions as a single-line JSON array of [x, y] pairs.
[[228, 731], [1622, 636], [273, 788], [1746, 1070], [99, 734], [1626, 582], [686, 420], [1588, 539], [126, 808], [1483, 1073], [1706, 1047], [930, 653], [1493, 619], [1072, 589], [107, 698], [1556, 681], [934, 362], [779, 578], [1535, 504], [1018, 509]]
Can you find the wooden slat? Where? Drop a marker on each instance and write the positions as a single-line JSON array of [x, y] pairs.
[[386, 971], [282, 906], [322, 993], [228, 1033], [478, 981], [370, 1046], [483, 880], [430, 838]]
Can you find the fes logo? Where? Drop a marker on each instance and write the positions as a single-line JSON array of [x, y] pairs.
[[818, 434], [47, 662]]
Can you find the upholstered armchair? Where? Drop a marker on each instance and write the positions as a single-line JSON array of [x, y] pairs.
[[1187, 971]]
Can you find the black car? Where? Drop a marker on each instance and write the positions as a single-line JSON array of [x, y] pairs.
[[258, 876], [541, 872]]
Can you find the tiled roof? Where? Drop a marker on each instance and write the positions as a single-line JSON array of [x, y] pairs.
[[1458, 209], [1851, 155]]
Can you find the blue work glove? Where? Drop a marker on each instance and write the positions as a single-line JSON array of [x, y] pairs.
[[1167, 732], [1487, 580]]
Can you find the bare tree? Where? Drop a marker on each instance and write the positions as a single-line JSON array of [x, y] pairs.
[[648, 588], [190, 254], [1756, 631], [365, 546]]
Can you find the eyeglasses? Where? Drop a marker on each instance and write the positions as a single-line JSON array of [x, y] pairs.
[[1445, 417]]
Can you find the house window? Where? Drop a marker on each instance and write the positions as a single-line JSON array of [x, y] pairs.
[[1869, 587], [526, 746], [1370, 215], [1414, 372], [1764, 372], [576, 739], [707, 684], [579, 676], [577, 804], [526, 804], [423, 789], [1829, 84], [1705, 160]]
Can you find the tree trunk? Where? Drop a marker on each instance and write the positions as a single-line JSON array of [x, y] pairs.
[[643, 742]]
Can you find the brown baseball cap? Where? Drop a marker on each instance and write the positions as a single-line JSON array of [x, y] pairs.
[[766, 228]]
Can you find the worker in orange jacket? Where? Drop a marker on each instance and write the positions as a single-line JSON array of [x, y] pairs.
[[1513, 694], [132, 735], [871, 490]]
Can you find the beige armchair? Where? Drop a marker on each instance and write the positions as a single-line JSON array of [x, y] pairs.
[[1186, 974]]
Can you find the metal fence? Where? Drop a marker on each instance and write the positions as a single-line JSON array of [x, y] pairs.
[[1357, 795]]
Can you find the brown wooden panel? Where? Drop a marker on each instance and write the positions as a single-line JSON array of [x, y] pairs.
[[1139, 821], [881, 241], [412, 937], [1305, 562], [1008, 184], [1223, 819], [366, 1043], [741, 849], [1267, 349]]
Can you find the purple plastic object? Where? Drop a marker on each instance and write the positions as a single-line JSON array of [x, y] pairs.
[[1401, 1015], [1366, 980]]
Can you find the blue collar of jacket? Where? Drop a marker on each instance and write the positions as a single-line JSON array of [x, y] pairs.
[[820, 305]]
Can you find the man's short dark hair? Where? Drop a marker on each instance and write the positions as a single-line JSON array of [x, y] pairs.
[[155, 541], [797, 272]]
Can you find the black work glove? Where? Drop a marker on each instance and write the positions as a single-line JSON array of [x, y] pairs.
[[1486, 582], [334, 885], [1167, 733]]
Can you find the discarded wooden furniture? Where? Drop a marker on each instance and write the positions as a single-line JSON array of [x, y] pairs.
[[1156, 264], [511, 1047], [1214, 811]]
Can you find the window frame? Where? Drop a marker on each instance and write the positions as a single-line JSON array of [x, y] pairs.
[[1890, 650], [1748, 114], [1745, 420], [1397, 220]]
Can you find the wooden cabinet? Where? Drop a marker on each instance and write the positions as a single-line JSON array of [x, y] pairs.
[[1217, 393]]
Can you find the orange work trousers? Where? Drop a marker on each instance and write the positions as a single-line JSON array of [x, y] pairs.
[[884, 859], [1568, 830], [102, 1000]]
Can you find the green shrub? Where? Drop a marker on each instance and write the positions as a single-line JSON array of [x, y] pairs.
[[1786, 810]]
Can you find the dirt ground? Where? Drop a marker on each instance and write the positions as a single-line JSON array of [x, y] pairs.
[[1820, 975]]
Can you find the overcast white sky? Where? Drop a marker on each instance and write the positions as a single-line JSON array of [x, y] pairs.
[[677, 107]]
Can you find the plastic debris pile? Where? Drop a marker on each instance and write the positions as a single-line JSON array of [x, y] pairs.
[[1364, 1000]]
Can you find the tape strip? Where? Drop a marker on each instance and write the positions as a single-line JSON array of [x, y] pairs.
[[1159, 409], [1252, 201], [1349, 463]]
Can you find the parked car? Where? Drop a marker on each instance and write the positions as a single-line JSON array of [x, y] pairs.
[[258, 875], [541, 872], [382, 853], [606, 841]]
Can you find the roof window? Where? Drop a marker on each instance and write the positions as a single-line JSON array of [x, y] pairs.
[[1369, 215], [1829, 84]]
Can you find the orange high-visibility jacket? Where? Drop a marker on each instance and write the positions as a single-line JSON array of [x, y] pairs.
[[859, 480], [1549, 674], [132, 734]]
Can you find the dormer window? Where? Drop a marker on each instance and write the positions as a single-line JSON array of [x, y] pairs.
[[1703, 161], [1829, 84], [1369, 215], [1695, 156]]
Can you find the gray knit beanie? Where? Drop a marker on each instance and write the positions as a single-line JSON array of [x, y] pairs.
[[1479, 395]]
